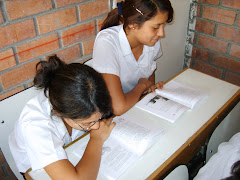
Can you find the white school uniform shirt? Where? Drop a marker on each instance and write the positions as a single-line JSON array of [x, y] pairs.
[[220, 164], [38, 138], [112, 54]]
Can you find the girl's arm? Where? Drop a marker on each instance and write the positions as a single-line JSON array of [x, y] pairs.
[[152, 78], [123, 102], [88, 166]]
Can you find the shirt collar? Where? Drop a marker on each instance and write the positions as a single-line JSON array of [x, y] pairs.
[[124, 44]]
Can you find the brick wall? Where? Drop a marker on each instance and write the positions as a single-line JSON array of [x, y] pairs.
[[216, 45], [31, 30]]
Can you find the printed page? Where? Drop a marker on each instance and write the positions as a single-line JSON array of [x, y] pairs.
[[182, 94], [138, 137], [125, 145], [162, 107], [116, 158]]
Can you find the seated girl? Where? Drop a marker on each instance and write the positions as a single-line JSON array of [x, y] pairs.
[[126, 48], [74, 99]]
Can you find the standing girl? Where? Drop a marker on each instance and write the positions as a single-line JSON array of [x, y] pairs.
[[73, 99], [126, 48]]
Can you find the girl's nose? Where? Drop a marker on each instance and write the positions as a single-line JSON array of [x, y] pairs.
[[161, 32]]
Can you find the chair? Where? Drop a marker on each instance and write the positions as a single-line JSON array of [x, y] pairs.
[[10, 111], [224, 131], [179, 173], [89, 62]]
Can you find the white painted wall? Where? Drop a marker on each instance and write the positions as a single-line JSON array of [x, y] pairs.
[[173, 44]]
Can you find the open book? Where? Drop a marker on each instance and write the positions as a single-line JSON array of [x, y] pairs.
[[128, 140], [172, 101]]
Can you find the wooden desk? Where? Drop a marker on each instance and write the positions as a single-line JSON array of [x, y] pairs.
[[182, 139]]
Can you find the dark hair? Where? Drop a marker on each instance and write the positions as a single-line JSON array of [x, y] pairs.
[[235, 172], [131, 15], [75, 90]]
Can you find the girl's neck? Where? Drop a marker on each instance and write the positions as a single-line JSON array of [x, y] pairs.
[[69, 128], [135, 45]]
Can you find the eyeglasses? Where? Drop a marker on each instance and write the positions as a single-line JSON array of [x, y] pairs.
[[89, 126]]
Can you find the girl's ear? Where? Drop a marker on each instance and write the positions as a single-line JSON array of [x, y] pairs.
[[131, 26]]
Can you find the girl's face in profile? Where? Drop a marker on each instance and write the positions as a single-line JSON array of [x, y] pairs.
[[153, 29]]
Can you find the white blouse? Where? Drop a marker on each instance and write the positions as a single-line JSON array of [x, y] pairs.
[[38, 138], [112, 54], [220, 164]]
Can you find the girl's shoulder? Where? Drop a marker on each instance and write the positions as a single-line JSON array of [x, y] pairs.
[[111, 32], [37, 107]]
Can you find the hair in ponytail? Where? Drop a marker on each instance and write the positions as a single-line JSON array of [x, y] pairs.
[[137, 12], [74, 90]]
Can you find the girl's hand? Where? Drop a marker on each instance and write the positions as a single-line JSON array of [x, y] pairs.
[[158, 86], [146, 82], [104, 130]]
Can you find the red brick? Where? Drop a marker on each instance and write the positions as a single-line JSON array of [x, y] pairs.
[[198, 10], [30, 84], [56, 20], [216, 2], [201, 54], [88, 46], [219, 15], [204, 26], [7, 59], [235, 51], [10, 93], [18, 8], [70, 54], [231, 3], [228, 33], [93, 9], [1, 17], [213, 44], [100, 22], [78, 33], [191, 63], [239, 21], [208, 69], [232, 78], [195, 37], [37, 47], [61, 3], [18, 75], [16, 32], [226, 62]]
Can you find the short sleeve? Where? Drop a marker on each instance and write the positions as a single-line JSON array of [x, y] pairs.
[[105, 54], [43, 143]]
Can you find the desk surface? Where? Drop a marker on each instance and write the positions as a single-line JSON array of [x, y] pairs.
[[181, 134], [185, 132]]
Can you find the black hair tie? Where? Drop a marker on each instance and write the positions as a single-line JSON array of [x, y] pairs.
[[119, 5]]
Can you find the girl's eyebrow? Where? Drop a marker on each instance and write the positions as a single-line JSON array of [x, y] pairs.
[[160, 23]]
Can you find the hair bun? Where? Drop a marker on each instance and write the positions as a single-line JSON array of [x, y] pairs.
[[47, 71]]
